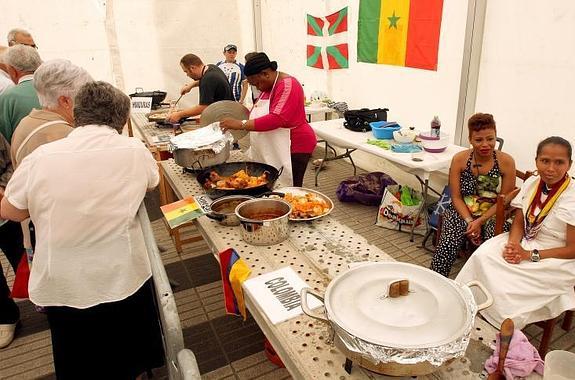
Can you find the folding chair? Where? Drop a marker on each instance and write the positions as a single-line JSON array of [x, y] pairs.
[[434, 221]]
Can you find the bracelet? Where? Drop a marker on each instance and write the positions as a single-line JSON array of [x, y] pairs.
[[468, 220]]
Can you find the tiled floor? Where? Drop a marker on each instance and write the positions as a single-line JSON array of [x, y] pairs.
[[225, 346]]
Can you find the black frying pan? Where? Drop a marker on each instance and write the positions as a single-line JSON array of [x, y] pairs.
[[229, 168]]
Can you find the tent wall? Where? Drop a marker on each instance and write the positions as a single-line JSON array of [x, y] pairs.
[[133, 43], [525, 69], [527, 73]]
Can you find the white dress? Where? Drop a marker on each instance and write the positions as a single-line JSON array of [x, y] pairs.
[[527, 292]]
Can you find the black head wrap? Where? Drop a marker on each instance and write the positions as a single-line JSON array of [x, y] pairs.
[[259, 63]]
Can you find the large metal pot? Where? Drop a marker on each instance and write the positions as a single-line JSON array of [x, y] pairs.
[[264, 221], [199, 158], [229, 168], [411, 332], [224, 209]]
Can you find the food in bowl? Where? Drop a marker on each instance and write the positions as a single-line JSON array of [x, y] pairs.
[[306, 206], [239, 180], [404, 136]]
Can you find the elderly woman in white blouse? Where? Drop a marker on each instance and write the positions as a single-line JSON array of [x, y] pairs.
[[91, 269]]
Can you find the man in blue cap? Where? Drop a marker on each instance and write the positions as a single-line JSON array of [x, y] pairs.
[[235, 72]]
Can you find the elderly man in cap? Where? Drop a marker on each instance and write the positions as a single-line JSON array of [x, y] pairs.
[[16, 102], [20, 37], [213, 84], [235, 72]]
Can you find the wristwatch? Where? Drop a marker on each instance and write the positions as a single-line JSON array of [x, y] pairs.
[[535, 256], [244, 122]]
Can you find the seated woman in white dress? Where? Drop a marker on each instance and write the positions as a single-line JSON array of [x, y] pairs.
[[530, 271]]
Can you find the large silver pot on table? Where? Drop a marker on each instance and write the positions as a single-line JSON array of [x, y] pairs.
[[384, 331], [203, 147], [264, 221]]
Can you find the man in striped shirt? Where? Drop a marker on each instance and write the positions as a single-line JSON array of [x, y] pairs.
[[235, 72]]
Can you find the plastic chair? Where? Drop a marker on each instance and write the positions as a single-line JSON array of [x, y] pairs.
[[501, 215]]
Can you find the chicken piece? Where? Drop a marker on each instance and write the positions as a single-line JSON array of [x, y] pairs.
[[214, 177]]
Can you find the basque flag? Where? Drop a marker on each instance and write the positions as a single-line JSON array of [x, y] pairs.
[[327, 41]]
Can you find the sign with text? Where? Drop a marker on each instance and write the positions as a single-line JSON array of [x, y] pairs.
[[141, 104], [277, 293]]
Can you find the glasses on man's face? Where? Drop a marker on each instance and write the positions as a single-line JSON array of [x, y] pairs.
[[24, 43]]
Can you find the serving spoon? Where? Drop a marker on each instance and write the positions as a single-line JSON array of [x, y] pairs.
[[507, 328]]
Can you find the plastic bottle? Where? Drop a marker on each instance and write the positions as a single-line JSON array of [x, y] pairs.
[[435, 127]]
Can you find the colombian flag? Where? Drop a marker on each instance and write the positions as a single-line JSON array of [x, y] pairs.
[[234, 272], [399, 32]]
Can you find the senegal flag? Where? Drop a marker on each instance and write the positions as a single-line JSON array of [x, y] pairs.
[[399, 32]]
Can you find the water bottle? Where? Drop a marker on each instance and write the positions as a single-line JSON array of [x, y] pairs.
[[435, 126]]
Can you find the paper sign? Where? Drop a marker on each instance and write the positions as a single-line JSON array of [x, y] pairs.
[[141, 104], [182, 211], [277, 293]]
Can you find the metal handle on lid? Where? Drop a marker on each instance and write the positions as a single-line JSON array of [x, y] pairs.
[[489, 301], [305, 307]]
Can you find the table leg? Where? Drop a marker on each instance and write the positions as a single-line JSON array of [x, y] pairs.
[[336, 156]]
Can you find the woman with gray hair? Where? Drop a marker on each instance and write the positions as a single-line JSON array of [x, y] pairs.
[[56, 83], [91, 270]]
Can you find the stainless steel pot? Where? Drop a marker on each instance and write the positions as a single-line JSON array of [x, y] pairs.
[[264, 221], [199, 158], [224, 209], [407, 332]]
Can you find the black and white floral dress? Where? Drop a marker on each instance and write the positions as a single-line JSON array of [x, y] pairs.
[[454, 226]]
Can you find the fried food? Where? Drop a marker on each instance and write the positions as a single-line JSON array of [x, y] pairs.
[[306, 206], [238, 180]]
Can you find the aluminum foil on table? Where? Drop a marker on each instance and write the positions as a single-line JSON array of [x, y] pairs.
[[208, 137], [434, 355]]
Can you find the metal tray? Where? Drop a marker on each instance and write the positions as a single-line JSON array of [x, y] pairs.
[[303, 191]]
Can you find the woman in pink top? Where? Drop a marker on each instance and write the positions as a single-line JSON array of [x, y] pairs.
[[286, 139]]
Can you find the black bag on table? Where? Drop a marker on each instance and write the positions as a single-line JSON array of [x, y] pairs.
[[358, 120]]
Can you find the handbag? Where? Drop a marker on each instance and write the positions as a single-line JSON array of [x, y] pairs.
[[20, 287], [358, 120], [366, 189]]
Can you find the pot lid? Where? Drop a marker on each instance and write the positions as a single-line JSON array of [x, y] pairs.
[[434, 312]]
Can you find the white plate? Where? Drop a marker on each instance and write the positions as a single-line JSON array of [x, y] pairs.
[[301, 191]]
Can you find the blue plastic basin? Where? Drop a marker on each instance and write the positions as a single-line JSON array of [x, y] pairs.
[[384, 129]]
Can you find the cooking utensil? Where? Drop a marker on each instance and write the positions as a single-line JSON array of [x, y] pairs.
[[401, 336], [224, 209], [157, 96], [173, 106], [505, 335], [199, 158], [264, 221], [229, 168], [226, 109], [301, 191]]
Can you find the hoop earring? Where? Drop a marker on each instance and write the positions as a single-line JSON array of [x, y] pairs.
[[535, 173]]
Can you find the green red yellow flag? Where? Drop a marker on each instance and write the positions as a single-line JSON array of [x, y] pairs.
[[182, 211], [399, 32], [327, 41]]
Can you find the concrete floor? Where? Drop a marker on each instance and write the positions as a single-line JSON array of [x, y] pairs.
[[225, 346]]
